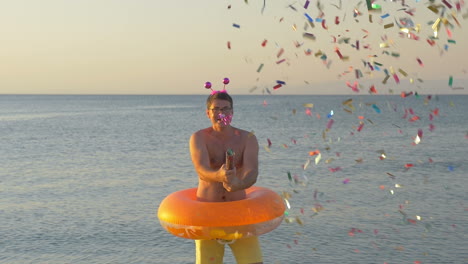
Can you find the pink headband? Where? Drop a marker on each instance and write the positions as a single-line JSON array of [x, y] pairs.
[[208, 86]]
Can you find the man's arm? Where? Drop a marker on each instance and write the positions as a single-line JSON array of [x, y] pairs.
[[201, 160], [247, 176]]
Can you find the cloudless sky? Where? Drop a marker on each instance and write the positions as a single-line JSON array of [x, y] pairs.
[[174, 47]]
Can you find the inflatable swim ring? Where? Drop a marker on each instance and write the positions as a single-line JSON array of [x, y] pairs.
[[182, 215]]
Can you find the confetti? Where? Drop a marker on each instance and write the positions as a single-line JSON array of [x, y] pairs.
[[315, 152], [389, 25], [306, 164], [308, 36], [318, 158], [323, 25], [420, 133], [280, 52], [403, 72], [360, 127], [353, 87], [395, 76], [447, 4], [385, 16], [376, 108], [420, 62], [339, 53], [260, 67], [280, 61]]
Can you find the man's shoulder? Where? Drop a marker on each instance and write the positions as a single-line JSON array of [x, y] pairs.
[[246, 134], [201, 132]]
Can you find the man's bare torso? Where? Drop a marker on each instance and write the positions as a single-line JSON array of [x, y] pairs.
[[217, 147]]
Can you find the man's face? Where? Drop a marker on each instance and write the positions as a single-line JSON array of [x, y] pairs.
[[220, 112]]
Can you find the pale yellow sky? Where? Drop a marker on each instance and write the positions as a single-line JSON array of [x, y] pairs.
[[173, 47]]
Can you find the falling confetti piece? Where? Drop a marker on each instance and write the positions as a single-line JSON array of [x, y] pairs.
[[376, 108], [318, 158], [447, 4], [360, 127], [260, 67], [280, 52], [339, 53], [420, 62], [420, 133], [308, 36], [280, 61], [306, 164], [334, 169], [315, 152]]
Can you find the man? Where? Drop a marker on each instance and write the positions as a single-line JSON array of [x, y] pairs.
[[219, 184]]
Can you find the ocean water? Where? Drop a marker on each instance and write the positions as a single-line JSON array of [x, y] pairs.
[[81, 177]]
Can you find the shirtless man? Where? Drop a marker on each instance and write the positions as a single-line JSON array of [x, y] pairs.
[[218, 184]]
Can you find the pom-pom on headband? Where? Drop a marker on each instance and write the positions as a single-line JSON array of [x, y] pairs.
[[208, 86]]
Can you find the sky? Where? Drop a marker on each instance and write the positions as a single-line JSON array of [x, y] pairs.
[[174, 47]]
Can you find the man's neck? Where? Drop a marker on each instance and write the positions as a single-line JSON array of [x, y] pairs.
[[222, 132]]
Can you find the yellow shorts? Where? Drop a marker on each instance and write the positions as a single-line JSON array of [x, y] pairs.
[[245, 250]]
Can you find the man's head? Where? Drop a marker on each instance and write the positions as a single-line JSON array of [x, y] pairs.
[[219, 96], [219, 108]]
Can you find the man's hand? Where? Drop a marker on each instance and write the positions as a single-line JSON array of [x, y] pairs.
[[231, 182]]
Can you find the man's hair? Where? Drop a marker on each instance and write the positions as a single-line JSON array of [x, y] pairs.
[[219, 96]]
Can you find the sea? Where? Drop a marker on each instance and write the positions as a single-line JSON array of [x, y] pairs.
[[365, 178]]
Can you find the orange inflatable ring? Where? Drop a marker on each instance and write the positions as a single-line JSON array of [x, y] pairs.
[[182, 215]]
